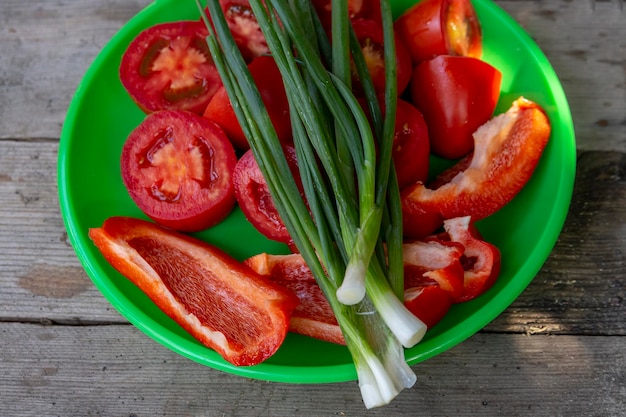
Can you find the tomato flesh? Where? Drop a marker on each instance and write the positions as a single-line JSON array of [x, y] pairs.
[[219, 301], [244, 28], [177, 167], [255, 200], [169, 67], [369, 32], [440, 27]]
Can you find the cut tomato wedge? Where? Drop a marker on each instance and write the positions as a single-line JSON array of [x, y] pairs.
[[218, 300], [506, 152], [169, 67], [440, 27]]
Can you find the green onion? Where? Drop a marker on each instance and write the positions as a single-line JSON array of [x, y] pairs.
[[348, 232]]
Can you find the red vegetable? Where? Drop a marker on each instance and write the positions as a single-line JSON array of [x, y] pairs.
[[433, 276], [456, 95], [357, 9], [411, 147], [169, 67], [506, 154], [481, 259], [270, 84], [219, 301], [434, 259], [245, 28], [370, 35], [440, 27], [177, 167], [254, 197], [313, 317]]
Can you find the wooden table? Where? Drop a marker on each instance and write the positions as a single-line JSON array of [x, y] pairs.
[[559, 350]]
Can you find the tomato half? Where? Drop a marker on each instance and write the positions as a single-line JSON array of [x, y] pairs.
[[357, 9], [269, 82], [456, 95], [440, 27], [411, 148], [218, 300], [177, 167], [169, 67], [245, 28], [370, 35], [255, 201]]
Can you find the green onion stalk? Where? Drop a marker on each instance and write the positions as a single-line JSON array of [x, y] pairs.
[[346, 228]]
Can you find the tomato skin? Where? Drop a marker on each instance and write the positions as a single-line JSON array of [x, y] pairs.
[[177, 167], [255, 201], [169, 67], [456, 95], [440, 27], [411, 146], [268, 80], [357, 9], [219, 301], [369, 32], [507, 151]]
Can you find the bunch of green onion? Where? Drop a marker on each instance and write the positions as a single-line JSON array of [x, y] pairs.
[[349, 227]]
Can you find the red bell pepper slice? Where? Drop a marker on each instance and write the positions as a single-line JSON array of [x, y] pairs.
[[313, 316], [218, 300], [481, 260], [433, 276], [506, 152], [436, 260]]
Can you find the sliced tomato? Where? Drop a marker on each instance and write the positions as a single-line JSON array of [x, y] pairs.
[[255, 200], [169, 67], [219, 301], [357, 9], [313, 316], [456, 95], [245, 28], [370, 35], [269, 82], [411, 147], [481, 260], [507, 151], [177, 167], [440, 27]]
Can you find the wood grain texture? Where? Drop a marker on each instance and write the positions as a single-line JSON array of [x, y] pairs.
[[558, 350], [115, 371]]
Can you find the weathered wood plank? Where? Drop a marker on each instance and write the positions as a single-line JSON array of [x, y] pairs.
[[115, 371], [580, 289], [46, 46]]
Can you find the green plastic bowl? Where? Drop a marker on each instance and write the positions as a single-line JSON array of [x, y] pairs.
[[101, 116]]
